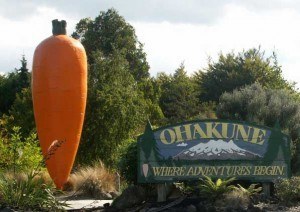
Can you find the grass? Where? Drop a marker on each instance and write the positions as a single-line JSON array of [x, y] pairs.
[[235, 199], [27, 191], [94, 181]]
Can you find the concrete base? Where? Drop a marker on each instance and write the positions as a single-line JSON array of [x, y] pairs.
[[85, 204]]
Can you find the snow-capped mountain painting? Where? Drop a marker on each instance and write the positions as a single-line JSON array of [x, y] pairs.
[[182, 144], [214, 150]]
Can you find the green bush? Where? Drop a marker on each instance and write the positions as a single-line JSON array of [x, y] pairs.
[[19, 154], [288, 190], [128, 161], [27, 192], [252, 190]]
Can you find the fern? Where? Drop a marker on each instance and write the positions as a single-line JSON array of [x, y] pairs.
[[251, 190], [213, 190]]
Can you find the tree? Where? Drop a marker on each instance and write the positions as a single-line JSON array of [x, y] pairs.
[[114, 110], [24, 76], [178, 100], [264, 106], [233, 71], [109, 32], [21, 114], [11, 84], [256, 104], [151, 92]]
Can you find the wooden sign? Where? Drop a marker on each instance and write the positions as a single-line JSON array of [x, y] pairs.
[[215, 148]]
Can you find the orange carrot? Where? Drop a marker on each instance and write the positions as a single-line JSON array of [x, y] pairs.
[[59, 91]]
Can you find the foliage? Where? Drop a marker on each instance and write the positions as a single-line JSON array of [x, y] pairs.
[[20, 114], [11, 84], [213, 190], [255, 104], [288, 190], [151, 92], [95, 180], [233, 71], [23, 184], [114, 109], [27, 192], [251, 190], [178, 99], [185, 187], [109, 32], [18, 154], [264, 106], [128, 162], [235, 199]]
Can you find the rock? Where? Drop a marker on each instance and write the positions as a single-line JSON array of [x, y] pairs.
[[174, 193], [229, 209], [241, 209], [176, 210], [6, 209], [131, 196], [254, 209], [212, 209], [201, 207], [106, 205], [265, 209], [250, 206], [191, 208]]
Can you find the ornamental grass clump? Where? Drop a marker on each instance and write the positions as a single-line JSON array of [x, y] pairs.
[[240, 197], [235, 199], [27, 191], [95, 181]]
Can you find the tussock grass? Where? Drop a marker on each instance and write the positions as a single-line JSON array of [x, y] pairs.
[[236, 199], [95, 181], [27, 191], [42, 176]]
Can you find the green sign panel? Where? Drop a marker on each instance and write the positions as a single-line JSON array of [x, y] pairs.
[[215, 148]]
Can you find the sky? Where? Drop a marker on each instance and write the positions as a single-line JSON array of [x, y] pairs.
[[172, 31]]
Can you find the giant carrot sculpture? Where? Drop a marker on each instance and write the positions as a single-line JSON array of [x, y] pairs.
[[59, 90]]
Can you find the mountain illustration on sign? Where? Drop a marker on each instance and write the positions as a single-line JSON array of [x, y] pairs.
[[216, 149]]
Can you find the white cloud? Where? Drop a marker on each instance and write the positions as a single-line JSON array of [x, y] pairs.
[[167, 30], [167, 44], [22, 36]]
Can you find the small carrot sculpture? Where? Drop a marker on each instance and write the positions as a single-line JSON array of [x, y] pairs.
[[59, 91]]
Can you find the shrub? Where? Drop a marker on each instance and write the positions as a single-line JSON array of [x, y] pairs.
[[95, 180], [288, 190], [235, 199], [20, 154], [251, 190], [27, 192], [213, 190], [128, 162]]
